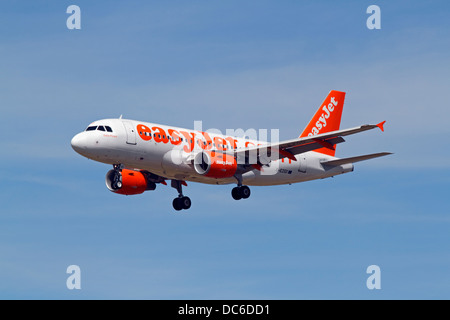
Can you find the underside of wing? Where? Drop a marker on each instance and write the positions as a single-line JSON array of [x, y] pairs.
[[290, 148]]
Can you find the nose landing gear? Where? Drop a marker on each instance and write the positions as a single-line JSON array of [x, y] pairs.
[[116, 179]]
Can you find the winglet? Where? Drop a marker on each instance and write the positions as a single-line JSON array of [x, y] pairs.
[[380, 125]]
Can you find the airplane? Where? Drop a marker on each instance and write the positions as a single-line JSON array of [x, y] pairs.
[[146, 154]]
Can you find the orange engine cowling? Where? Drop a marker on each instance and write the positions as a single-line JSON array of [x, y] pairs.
[[215, 165], [128, 182]]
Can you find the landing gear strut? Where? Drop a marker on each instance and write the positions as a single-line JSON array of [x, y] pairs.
[[116, 183], [240, 192], [181, 202]]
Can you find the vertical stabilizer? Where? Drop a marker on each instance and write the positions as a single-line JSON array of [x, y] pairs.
[[326, 119]]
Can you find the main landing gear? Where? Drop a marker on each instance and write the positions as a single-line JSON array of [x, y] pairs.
[[240, 192], [182, 202]]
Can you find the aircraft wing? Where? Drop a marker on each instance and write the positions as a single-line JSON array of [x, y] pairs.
[[290, 148]]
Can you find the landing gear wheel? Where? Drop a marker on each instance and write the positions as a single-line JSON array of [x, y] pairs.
[[236, 193], [245, 192], [177, 205], [116, 183], [242, 192], [185, 203], [181, 203]]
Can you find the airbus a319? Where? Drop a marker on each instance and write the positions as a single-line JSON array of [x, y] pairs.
[[145, 154]]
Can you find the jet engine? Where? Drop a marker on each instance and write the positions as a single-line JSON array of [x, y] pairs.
[[128, 182], [215, 165]]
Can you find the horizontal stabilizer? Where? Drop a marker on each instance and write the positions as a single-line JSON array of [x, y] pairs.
[[339, 162]]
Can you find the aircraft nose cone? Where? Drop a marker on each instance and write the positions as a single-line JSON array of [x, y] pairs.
[[78, 143]]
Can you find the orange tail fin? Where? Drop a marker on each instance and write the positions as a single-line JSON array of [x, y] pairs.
[[326, 119]]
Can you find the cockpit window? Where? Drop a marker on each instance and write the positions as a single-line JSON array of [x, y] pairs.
[[99, 128]]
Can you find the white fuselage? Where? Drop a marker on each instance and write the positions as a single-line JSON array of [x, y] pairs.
[[166, 151]]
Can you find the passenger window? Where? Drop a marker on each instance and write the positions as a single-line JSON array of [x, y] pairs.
[[91, 128], [108, 129], [101, 128]]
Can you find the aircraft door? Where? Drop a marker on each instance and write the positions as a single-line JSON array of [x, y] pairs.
[[131, 132], [302, 163]]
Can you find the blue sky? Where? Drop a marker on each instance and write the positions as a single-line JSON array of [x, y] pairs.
[[233, 64]]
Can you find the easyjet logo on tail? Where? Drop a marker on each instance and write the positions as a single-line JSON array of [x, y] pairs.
[[327, 118], [322, 122]]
